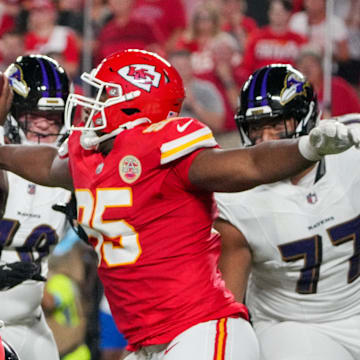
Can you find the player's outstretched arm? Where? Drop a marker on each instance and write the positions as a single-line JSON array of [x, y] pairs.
[[37, 163], [242, 169]]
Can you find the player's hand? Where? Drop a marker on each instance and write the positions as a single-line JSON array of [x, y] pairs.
[[329, 137], [15, 273], [352, 121]]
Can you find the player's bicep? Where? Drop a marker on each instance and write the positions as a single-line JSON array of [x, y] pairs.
[[235, 259], [220, 170]]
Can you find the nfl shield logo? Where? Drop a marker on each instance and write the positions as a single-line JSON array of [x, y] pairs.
[[311, 198], [31, 189]]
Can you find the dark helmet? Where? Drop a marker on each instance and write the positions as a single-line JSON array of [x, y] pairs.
[[40, 85], [277, 92], [8, 352]]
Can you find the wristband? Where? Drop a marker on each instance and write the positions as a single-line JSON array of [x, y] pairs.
[[307, 150]]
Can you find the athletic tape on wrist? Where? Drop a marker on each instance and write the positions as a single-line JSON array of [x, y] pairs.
[[308, 151]]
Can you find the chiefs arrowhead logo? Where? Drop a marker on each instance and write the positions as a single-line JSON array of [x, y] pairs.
[[141, 75]]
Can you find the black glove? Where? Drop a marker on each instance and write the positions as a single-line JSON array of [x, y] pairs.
[[15, 273], [70, 211]]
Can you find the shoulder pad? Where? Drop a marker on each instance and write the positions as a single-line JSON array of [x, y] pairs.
[[181, 136]]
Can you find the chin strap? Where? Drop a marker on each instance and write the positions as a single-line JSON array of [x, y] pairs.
[[90, 141], [303, 123]]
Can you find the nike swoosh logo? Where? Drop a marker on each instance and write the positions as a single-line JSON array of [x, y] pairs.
[[172, 346], [182, 128]]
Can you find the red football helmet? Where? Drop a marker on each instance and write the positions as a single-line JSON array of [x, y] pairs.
[[131, 85]]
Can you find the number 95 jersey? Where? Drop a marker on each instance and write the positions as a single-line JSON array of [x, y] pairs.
[[305, 243], [151, 230], [29, 230]]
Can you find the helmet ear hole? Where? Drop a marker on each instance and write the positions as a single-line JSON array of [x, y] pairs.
[[130, 111], [166, 76]]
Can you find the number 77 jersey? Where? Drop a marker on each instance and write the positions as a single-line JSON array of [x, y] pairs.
[[305, 241], [151, 230]]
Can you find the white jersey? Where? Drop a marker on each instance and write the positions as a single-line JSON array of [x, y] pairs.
[[28, 232], [305, 241]]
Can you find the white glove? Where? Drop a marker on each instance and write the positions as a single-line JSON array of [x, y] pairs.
[[352, 121], [329, 137]]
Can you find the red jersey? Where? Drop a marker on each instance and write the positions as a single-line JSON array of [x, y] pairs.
[[151, 229], [344, 98], [265, 47], [62, 40], [114, 37], [247, 23], [164, 16]]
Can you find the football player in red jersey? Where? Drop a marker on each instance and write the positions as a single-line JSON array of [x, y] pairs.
[[144, 181]]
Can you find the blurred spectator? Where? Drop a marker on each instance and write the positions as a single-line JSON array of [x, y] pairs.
[[44, 36], [215, 56], [63, 304], [344, 98], [100, 14], [235, 22], [343, 8], [70, 14], [124, 32], [9, 10], [11, 46], [312, 23], [204, 27], [166, 17], [274, 43], [350, 70], [298, 5], [190, 6], [112, 342], [226, 75], [257, 9], [203, 101]]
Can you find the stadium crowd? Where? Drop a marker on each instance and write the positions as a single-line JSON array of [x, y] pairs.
[[214, 44], [226, 40]]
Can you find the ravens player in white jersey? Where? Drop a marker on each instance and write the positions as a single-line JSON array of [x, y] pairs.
[[299, 239], [30, 228]]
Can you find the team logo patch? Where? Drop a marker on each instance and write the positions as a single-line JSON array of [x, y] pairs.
[[293, 86], [141, 75], [31, 189], [16, 80], [129, 169], [311, 198]]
